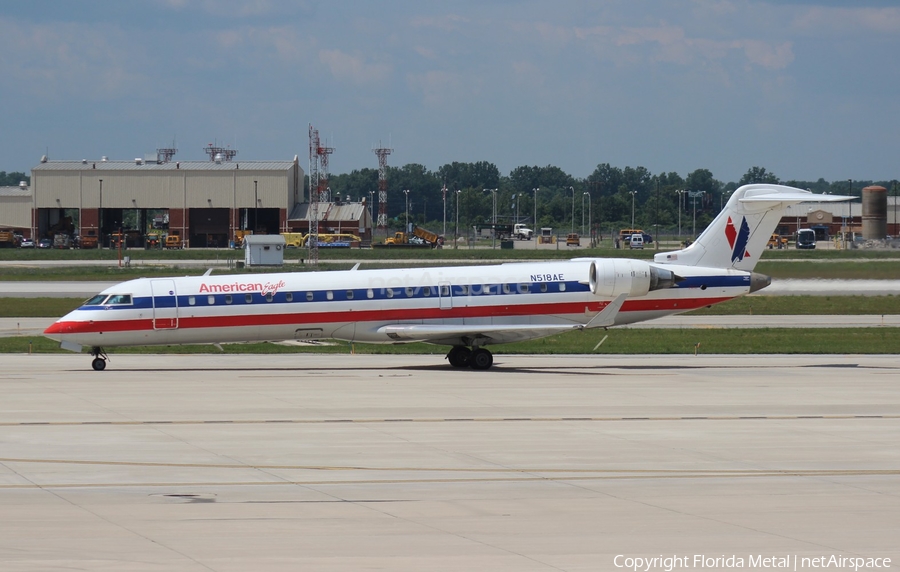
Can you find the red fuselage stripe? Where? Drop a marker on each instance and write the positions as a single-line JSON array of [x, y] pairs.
[[383, 316]]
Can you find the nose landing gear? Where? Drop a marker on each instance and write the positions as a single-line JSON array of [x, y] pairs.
[[99, 363]]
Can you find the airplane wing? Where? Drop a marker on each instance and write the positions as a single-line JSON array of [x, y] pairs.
[[465, 334]]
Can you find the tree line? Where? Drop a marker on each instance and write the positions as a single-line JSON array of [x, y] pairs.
[[607, 199], [13, 179]]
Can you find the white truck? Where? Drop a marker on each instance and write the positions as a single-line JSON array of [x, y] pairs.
[[522, 232]]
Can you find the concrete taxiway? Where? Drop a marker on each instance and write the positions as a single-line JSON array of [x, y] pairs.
[[314, 462]]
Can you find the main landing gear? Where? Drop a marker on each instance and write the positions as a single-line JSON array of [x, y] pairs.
[[476, 358], [99, 363]]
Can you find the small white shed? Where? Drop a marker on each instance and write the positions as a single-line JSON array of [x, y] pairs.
[[264, 250]]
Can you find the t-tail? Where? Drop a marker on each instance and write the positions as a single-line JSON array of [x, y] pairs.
[[737, 237]]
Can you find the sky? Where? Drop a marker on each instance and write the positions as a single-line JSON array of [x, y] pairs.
[[805, 88]]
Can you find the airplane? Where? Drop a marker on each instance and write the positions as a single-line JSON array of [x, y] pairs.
[[465, 307]]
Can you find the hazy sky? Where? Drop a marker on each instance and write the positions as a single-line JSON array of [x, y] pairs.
[[806, 89]]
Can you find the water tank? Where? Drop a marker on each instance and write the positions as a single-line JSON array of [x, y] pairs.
[[874, 212]]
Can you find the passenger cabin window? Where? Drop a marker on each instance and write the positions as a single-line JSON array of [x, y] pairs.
[[228, 298], [289, 297], [269, 297], [210, 300], [309, 296], [426, 291], [248, 298], [192, 300], [445, 290], [370, 294], [543, 286], [409, 292], [562, 287], [329, 295], [349, 294]]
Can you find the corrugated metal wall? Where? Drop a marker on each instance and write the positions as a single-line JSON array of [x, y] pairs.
[[15, 212], [165, 188]]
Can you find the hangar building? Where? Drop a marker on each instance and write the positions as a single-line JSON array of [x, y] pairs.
[[204, 202], [15, 207]]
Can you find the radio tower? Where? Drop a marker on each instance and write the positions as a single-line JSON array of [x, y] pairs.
[[318, 190], [382, 153]]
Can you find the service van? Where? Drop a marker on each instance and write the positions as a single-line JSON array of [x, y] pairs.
[[637, 241]]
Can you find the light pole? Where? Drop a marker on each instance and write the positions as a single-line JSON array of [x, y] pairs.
[[896, 228], [100, 218], [849, 209], [372, 213], [633, 193], [444, 196], [456, 230], [493, 215], [680, 193], [694, 195], [406, 218], [582, 213], [534, 233], [590, 229], [573, 209], [256, 209], [721, 197]]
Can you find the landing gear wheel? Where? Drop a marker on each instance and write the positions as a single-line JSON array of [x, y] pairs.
[[459, 356], [481, 359], [99, 363]]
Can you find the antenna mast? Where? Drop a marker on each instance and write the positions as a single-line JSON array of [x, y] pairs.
[[318, 190]]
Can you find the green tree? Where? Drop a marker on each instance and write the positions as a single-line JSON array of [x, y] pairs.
[[756, 175], [13, 179]]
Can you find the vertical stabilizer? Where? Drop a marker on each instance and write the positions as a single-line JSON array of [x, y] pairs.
[[737, 237]]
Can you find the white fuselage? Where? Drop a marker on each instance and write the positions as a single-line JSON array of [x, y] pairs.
[[356, 305]]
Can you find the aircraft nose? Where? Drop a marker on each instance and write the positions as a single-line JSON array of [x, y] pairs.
[[57, 328], [60, 328]]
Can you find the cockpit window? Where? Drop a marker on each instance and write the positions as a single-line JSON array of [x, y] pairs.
[[96, 300], [119, 299]]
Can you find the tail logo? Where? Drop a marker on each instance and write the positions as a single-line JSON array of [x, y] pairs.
[[737, 239]]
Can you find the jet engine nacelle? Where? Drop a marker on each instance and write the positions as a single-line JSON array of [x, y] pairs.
[[609, 278]]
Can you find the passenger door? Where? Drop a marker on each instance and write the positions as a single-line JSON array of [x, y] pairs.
[[165, 304]]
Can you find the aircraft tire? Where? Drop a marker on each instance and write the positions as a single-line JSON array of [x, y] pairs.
[[99, 364], [459, 356], [481, 359]]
